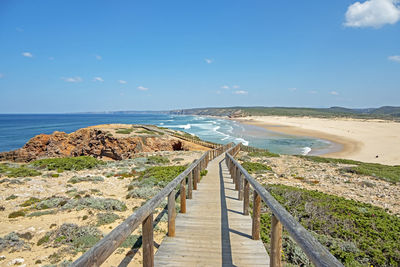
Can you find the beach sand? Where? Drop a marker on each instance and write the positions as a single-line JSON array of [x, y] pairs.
[[361, 140]]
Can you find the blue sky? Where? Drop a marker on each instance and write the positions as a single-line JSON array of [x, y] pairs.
[[72, 56]]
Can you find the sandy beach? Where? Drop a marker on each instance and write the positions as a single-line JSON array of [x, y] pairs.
[[364, 140]]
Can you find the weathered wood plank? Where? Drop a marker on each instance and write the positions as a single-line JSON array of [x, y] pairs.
[[213, 231]]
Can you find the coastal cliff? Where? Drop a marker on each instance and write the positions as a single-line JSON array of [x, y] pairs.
[[104, 141]]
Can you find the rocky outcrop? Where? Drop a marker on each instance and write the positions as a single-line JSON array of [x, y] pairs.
[[92, 142]]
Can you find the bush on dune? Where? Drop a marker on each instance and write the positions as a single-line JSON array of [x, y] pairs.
[[356, 233], [62, 164]]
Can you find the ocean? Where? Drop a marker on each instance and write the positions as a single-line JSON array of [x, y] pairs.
[[17, 129]]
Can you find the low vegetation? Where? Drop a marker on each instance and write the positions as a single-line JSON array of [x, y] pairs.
[[152, 180], [12, 242], [255, 167], [356, 233], [384, 172], [62, 164], [124, 131], [161, 175], [262, 154], [94, 179], [76, 238], [106, 218], [17, 171], [157, 160], [15, 214]]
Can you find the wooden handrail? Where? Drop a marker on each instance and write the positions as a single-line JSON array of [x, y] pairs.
[[144, 215], [317, 253]]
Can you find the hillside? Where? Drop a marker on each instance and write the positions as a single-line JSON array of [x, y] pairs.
[[386, 112]]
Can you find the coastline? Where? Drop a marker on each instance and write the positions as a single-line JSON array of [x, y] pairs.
[[357, 139]]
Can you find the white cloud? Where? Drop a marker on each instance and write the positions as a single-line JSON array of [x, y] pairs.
[[122, 82], [141, 88], [98, 79], [76, 79], [208, 60], [394, 58], [241, 92], [98, 57], [313, 92], [373, 13], [293, 89], [236, 87], [27, 54], [334, 93], [225, 87]]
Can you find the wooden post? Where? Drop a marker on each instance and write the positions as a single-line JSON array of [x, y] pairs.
[[148, 243], [246, 200], [195, 177], [190, 184], [171, 213], [240, 182], [236, 178], [256, 216], [276, 242], [183, 195]]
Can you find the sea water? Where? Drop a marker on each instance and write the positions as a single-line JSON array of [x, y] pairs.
[[17, 129]]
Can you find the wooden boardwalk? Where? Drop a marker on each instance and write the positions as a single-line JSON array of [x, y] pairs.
[[214, 231]]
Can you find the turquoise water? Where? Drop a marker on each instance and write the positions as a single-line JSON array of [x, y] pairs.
[[16, 130]]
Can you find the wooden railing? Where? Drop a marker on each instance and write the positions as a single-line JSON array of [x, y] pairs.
[[317, 253], [144, 215], [192, 139]]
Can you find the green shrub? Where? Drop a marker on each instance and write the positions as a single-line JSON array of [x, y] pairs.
[[40, 213], [144, 192], [145, 132], [30, 201], [384, 172], [11, 197], [77, 238], [20, 171], [124, 131], [255, 167], [133, 241], [203, 173], [76, 179], [108, 204], [262, 154], [50, 203], [15, 214], [106, 218], [62, 164], [157, 160], [161, 175], [13, 243], [356, 233], [55, 175]]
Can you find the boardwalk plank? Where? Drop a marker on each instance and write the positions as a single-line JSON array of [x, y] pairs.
[[213, 231]]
